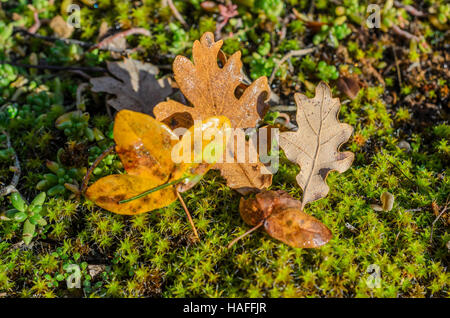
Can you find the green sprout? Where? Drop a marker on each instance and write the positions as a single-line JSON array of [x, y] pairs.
[[31, 215]]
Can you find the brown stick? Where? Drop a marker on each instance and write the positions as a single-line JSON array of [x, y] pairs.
[[245, 234], [107, 41], [410, 9], [37, 23], [56, 67], [399, 75], [53, 39], [404, 33], [91, 168], [188, 215], [288, 56], [72, 41], [176, 13], [15, 180], [434, 222]]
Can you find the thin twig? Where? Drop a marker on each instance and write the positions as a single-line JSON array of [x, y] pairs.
[[410, 9], [188, 214], [245, 234], [404, 33], [37, 23], [435, 220], [53, 39], [73, 41], [56, 67], [80, 90], [399, 75], [176, 13], [288, 56], [91, 168], [104, 44], [284, 108], [17, 170]]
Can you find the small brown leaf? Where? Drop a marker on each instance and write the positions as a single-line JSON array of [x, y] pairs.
[[61, 28], [284, 220], [388, 201], [349, 86], [315, 146], [136, 87]]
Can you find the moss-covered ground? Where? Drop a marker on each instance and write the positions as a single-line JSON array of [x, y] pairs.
[[401, 145]]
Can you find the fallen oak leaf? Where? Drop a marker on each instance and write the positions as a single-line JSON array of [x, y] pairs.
[[315, 145], [244, 177], [136, 87], [283, 219], [211, 90]]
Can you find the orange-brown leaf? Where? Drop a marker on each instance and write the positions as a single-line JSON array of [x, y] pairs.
[[211, 89], [284, 220], [144, 145]]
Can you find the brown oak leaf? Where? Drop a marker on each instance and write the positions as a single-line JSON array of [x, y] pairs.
[[211, 89], [212, 92], [283, 219], [315, 146], [136, 87]]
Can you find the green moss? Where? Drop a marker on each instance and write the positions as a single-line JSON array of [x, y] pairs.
[[155, 254]]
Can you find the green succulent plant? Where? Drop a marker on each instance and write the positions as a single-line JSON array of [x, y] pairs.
[[75, 125], [61, 179], [31, 215]]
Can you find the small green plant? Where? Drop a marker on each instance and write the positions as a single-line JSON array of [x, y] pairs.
[[333, 34], [327, 72], [75, 125], [31, 215], [61, 179]]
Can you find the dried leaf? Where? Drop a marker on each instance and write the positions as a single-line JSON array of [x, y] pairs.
[[284, 220], [136, 87], [245, 178], [388, 201], [315, 146], [61, 28], [349, 86], [211, 90]]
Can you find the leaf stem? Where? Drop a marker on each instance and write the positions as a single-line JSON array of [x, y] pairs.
[[94, 165], [160, 187], [246, 233], [188, 215]]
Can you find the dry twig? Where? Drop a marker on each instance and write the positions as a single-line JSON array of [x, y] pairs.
[[404, 33], [91, 168], [436, 219], [188, 215], [176, 13], [12, 187], [288, 56], [56, 67], [104, 44]]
